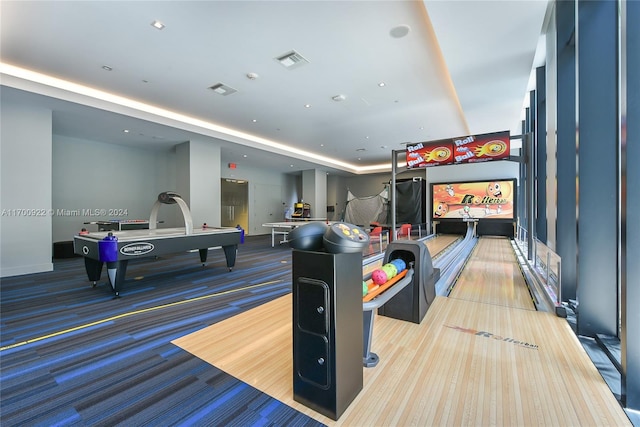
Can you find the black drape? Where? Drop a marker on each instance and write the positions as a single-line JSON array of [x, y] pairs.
[[410, 202]]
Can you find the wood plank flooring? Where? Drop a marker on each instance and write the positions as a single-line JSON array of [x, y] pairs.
[[468, 363], [492, 275]]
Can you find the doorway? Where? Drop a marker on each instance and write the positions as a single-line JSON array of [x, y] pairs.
[[235, 203]]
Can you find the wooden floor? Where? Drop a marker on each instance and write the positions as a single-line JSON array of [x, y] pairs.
[[492, 275], [468, 363]]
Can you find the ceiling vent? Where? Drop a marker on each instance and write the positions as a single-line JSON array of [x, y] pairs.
[[222, 89], [292, 60]]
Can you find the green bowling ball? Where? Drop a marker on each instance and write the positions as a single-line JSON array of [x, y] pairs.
[[390, 269]]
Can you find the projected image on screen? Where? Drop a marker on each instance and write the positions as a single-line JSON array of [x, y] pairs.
[[473, 200]]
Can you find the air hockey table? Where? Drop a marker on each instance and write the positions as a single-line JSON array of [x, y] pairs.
[[116, 248]]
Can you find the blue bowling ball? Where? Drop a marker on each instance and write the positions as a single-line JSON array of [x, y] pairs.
[[399, 263]]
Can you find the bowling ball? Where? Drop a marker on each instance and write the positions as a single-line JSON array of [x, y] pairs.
[[400, 264], [308, 237], [378, 276], [365, 288], [391, 270]]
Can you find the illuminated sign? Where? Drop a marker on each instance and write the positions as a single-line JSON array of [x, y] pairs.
[[473, 200], [463, 149]]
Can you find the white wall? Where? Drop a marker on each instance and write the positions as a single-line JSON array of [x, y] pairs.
[[314, 191], [205, 182], [269, 193], [336, 196], [25, 195], [95, 181], [198, 165]]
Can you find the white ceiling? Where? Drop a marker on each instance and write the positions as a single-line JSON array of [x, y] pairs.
[[463, 68]]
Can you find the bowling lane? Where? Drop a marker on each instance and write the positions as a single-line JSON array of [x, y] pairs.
[[434, 245], [492, 275], [477, 358]]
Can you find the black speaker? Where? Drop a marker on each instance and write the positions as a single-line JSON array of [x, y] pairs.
[[327, 330]]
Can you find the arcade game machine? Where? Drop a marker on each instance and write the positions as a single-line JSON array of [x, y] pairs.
[[301, 210]]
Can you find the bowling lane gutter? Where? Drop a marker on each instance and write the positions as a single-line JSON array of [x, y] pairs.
[[452, 263]]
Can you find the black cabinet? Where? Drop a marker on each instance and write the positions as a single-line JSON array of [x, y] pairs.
[[327, 330]]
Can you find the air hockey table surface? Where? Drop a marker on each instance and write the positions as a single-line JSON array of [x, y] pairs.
[[158, 233], [159, 241], [134, 244]]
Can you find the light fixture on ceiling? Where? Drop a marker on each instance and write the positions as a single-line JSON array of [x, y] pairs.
[[307, 105], [222, 89], [361, 149], [157, 25], [107, 68], [291, 60], [255, 120], [382, 84], [252, 76], [399, 31], [339, 98]]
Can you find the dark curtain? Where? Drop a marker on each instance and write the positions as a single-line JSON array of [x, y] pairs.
[[410, 202]]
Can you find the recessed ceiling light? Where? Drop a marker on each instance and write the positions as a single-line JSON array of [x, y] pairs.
[[125, 130], [399, 31], [255, 120], [244, 155], [382, 84], [252, 76], [106, 68], [339, 98], [307, 105], [158, 25], [361, 149]]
